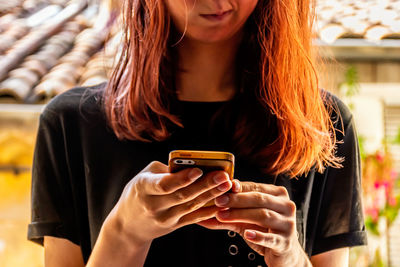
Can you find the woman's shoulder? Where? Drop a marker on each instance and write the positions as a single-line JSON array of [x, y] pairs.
[[77, 102], [338, 109]]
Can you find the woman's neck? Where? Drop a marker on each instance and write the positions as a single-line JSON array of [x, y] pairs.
[[207, 70]]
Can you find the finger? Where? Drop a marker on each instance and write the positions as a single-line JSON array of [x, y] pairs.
[[277, 243], [257, 200], [239, 228], [261, 217], [235, 186], [214, 224], [166, 183], [200, 201], [202, 214], [188, 193], [156, 167], [263, 188], [216, 179]]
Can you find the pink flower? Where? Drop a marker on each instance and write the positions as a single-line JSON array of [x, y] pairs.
[[385, 184], [377, 185]]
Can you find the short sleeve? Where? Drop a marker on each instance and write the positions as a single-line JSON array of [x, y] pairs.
[[52, 211], [340, 222]]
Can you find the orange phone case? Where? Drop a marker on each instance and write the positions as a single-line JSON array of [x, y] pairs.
[[205, 160]]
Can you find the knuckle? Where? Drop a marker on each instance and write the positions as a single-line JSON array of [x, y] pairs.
[[261, 198], [194, 205], [136, 191], [282, 191], [153, 165], [250, 187], [180, 196], [256, 187], [139, 183], [291, 225], [275, 241], [156, 166], [163, 187], [243, 187], [266, 214], [291, 207]]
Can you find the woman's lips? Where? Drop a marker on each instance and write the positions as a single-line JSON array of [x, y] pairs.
[[217, 16]]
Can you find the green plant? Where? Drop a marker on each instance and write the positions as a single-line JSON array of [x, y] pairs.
[[361, 144], [350, 87], [396, 139]]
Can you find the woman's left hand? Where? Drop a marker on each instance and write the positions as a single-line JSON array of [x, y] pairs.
[[265, 217]]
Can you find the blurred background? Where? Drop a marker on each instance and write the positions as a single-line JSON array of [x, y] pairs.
[[49, 46]]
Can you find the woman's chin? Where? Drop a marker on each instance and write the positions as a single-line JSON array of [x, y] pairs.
[[211, 38]]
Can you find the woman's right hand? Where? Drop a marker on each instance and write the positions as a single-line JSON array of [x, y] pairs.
[[156, 202]]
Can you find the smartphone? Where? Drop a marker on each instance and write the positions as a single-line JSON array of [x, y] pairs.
[[205, 160]]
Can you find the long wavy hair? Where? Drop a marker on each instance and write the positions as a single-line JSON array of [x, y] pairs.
[[276, 76]]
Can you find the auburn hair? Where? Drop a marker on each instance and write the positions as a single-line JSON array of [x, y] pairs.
[[276, 74]]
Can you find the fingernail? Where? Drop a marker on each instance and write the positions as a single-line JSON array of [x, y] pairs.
[[222, 200], [195, 173], [224, 214], [237, 186], [250, 234], [224, 187], [219, 178]]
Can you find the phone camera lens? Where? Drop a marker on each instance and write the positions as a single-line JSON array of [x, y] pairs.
[[179, 161]]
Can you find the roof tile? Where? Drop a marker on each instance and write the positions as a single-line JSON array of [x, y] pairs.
[[372, 20]]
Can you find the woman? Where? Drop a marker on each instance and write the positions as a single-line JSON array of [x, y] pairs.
[[228, 75]]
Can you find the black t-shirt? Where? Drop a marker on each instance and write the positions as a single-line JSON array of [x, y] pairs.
[[80, 169]]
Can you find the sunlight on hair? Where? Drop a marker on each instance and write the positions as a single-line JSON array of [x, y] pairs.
[[186, 23]]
